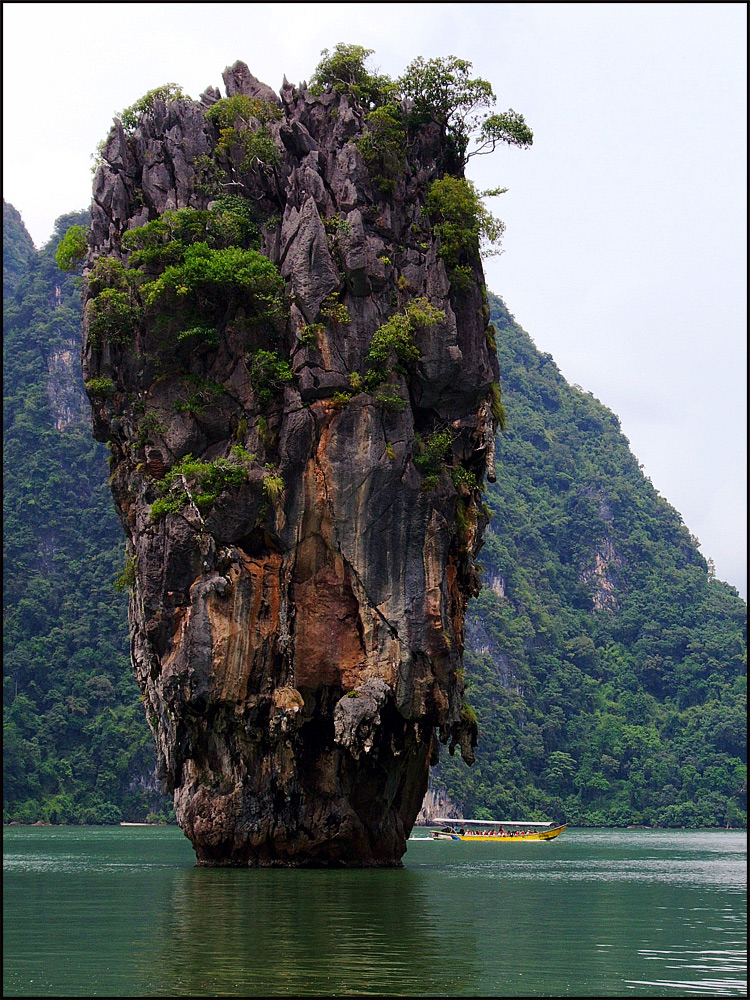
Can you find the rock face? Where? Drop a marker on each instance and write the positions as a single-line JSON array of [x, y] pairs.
[[297, 637]]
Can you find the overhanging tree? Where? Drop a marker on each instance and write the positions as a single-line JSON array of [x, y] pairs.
[[442, 91]]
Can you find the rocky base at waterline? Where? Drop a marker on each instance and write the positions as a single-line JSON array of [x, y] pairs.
[[298, 400]]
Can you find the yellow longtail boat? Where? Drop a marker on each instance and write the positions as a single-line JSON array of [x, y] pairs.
[[505, 831]]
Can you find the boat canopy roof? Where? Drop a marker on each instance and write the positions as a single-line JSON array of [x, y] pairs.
[[490, 822]]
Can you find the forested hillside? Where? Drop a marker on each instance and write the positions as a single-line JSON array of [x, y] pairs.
[[76, 744], [606, 666], [18, 249]]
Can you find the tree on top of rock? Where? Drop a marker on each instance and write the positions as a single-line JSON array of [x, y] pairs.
[[345, 72], [439, 91], [442, 91]]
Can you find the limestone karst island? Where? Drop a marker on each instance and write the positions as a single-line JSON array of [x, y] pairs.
[[288, 355], [287, 348]]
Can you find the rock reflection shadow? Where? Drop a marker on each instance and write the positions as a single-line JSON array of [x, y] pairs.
[[237, 932]]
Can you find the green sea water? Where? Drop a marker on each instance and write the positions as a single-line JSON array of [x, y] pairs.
[[122, 911]]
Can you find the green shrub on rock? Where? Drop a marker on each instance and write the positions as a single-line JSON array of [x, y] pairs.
[[269, 374], [466, 228], [130, 117], [112, 318], [100, 385], [344, 71], [244, 126], [201, 483], [393, 342], [383, 145]]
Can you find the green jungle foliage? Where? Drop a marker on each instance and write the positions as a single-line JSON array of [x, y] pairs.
[[606, 666], [72, 248], [76, 745]]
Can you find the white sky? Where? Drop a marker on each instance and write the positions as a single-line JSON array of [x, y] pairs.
[[625, 251]]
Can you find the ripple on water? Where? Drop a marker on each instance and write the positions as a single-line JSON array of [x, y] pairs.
[[697, 872], [696, 988], [725, 970], [72, 864]]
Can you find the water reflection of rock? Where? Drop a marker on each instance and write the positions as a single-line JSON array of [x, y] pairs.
[[236, 932]]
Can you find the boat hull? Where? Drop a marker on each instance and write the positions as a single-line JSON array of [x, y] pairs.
[[494, 838]]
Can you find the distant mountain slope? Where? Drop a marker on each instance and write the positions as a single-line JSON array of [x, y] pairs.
[[76, 745], [18, 249], [608, 668]]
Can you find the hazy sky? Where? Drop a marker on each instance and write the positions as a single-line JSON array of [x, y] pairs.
[[625, 252]]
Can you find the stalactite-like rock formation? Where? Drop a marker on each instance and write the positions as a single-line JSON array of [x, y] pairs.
[[296, 460]]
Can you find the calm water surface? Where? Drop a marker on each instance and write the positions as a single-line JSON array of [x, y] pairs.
[[110, 911]]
